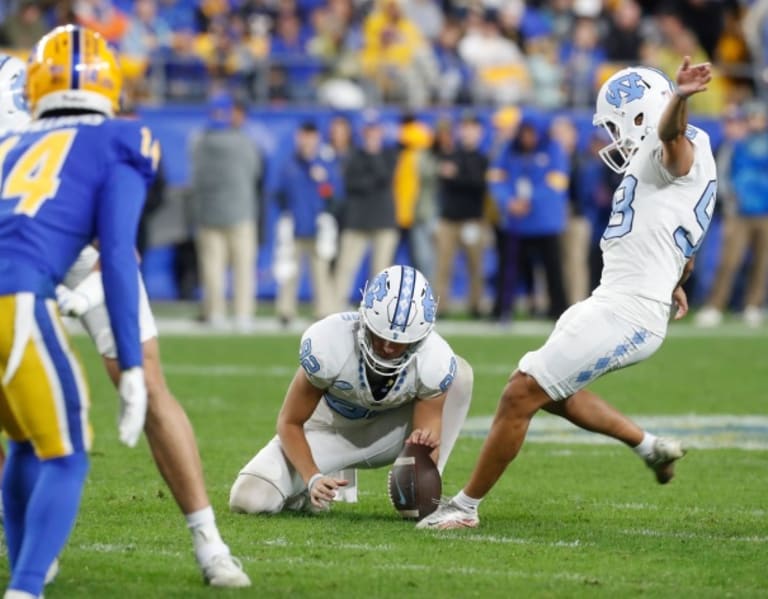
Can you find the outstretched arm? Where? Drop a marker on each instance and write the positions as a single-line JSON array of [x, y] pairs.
[[678, 150]]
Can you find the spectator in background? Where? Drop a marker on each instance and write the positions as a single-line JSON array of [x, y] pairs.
[[144, 48], [547, 74], [427, 15], [581, 58], [747, 229], [226, 169], [462, 194], [576, 236], [306, 188], [396, 57], [186, 74], [529, 182], [501, 76], [591, 191], [102, 17], [24, 27], [146, 34], [290, 49], [414, 191], [368, 211], [678, 40], [454, 75], [623, 37], [340, 140]]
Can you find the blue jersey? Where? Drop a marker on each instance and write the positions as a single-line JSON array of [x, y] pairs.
[[67, 181]]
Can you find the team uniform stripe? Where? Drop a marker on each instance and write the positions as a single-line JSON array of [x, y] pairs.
[[405, 298], [69, 405], [75, 58], [77, 372]]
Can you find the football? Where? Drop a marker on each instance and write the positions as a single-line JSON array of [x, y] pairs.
[[414, 482]]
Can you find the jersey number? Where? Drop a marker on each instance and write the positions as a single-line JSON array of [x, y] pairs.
[[703, 211], [622, 213], [34, 177]]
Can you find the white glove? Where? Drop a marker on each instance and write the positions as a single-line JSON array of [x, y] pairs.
[[133, 405], [88, 294], [284, 266], [326, 242]]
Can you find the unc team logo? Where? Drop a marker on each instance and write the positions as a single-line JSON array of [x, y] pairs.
[[429, 304], [376, 290], [624, 90]]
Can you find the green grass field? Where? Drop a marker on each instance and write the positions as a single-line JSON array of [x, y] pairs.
[[567, 520]]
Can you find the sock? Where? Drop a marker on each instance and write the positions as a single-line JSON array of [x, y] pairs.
[[49, 519], [205, 534], [19, 477], [645, 448], [465, 501]]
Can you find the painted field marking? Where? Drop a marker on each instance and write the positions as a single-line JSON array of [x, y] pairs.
[[695, 431]]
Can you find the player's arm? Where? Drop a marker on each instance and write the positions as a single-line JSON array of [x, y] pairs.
[[678, 151], [679, 297], [427, 423], [117, 221], [300, 402]]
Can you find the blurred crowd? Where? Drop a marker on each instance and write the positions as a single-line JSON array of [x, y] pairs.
[[517, 195], [495, 180], [352, 53]]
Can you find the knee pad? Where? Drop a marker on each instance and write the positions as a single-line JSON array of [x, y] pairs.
[[255, 495]]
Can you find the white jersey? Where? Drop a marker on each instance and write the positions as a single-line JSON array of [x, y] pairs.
[[332, 359], [658, 222]]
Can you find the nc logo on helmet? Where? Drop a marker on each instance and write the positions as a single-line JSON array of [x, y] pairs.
[[376, 290], [625, 89], [429, 304]]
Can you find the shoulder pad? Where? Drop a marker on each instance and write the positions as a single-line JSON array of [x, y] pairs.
[[133, 143], [436, 364], [326, 346]]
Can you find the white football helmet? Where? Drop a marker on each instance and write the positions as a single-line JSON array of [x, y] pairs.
[[13, 104], [398, 305], [629, 106]]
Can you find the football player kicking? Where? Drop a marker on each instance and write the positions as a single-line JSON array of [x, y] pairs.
[[661, 211], [167, 427], [368, 382]]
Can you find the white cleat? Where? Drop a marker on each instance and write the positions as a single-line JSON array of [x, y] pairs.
[[224, 570], [753, 316], [665, 453], [708, 317], [449, 516]]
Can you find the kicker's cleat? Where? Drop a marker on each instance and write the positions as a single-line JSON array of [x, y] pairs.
[[224, 570], [665, 453], [449, 516]]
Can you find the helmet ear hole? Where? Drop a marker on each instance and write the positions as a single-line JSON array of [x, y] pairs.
[[639, 118]]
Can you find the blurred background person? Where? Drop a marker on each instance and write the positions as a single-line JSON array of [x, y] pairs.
[[529, 182], [747, 227], [306, 189], [226, 170], [578, 229], [368, 210], [462, 168], [414, 187]]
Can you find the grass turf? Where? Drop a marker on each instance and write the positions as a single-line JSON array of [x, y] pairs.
[[565, 521]]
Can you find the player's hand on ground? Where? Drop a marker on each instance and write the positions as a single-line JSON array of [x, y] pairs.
[[423, 436], [692, 79], [680, 299], [71, 303], [322, 489], [133, 405]]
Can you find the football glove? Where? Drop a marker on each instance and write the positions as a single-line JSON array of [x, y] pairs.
[[133, 405], [88, 294]]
